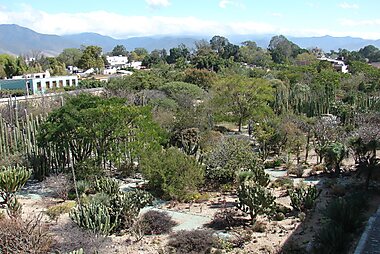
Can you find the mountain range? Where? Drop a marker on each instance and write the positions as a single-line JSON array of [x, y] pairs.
[[18, 40]]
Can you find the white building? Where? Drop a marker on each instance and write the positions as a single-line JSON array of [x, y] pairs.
[[117, 61], [338, 64]]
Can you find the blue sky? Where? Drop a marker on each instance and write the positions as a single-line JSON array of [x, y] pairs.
[[126, 18]]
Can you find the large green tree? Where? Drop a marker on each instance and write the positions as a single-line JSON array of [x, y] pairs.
[[91, 58], [70, 56], [243, 98]]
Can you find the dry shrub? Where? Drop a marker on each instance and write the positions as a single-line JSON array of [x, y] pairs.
[[224, 219], [259, 226], [157, 222], [60, 185], [18, 236], [54, 212], [192, 242]]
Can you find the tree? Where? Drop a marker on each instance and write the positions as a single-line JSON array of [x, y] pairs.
[[223, 47], [91, 58], [244, 97], [203, 78], [119, 50], [172, 174], [92, 129], [283, 50], [138, 54], [70, 56], [14, 67], [334, 153], [180, 52], [55, 67], [371, 53]]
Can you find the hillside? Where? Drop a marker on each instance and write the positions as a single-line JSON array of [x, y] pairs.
[[18, 40]]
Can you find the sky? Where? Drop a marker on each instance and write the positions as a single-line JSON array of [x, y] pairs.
[[131, 18]]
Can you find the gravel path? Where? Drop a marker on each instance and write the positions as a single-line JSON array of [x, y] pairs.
[[370, 241]]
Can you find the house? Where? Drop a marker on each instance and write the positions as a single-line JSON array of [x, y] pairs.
[[117, 61], [339, 65], [38, 83]]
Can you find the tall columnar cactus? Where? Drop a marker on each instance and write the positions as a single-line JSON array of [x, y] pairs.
[[95, 217], [303, 197]]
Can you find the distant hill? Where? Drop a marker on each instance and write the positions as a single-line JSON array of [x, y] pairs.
[[18, 40]]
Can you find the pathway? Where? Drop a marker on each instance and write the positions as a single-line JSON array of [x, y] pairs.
[[370, 241]]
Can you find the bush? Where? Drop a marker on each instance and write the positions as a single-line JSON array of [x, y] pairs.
[[296, 170], [229, 157], [60, 185], [157, 222], [54, 212], [332, 239], [303, 197], [17, 236], [283, 183], [347, 212], [224, 219], [172, 174], [192, 242]]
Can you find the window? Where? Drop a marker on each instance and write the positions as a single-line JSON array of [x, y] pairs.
[[67, 82], [54, 84], [74, 82], [47, 85], [61, 83], [39, 87]]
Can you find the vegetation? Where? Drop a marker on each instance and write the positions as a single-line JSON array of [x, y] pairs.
[[197, 121]]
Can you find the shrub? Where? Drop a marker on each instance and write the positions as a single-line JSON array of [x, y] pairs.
[[296, 170], [283, 183], [60, 185], [303, 197], [84, 187], [224, 219], [347, 212], [331, 239], [172, 174], [229, 156], [54, 212], [18, 236], [157, 222], [193, 242]]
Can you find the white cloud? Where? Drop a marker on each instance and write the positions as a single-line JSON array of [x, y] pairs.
[[346, 5], [277, 14], [158, 3], [364, 22], [225, 3], [121, 26]]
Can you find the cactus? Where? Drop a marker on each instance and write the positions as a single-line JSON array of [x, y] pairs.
[[255, 199], [303, 197], [11, 181], [107, 185], [96, 218], [80, 251]]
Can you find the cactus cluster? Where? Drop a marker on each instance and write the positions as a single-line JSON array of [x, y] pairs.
[[11, 181], [303, 197], [118, 214], [94, 217], [107, 185]]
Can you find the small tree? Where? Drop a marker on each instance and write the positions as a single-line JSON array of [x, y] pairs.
[[334, 154]]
